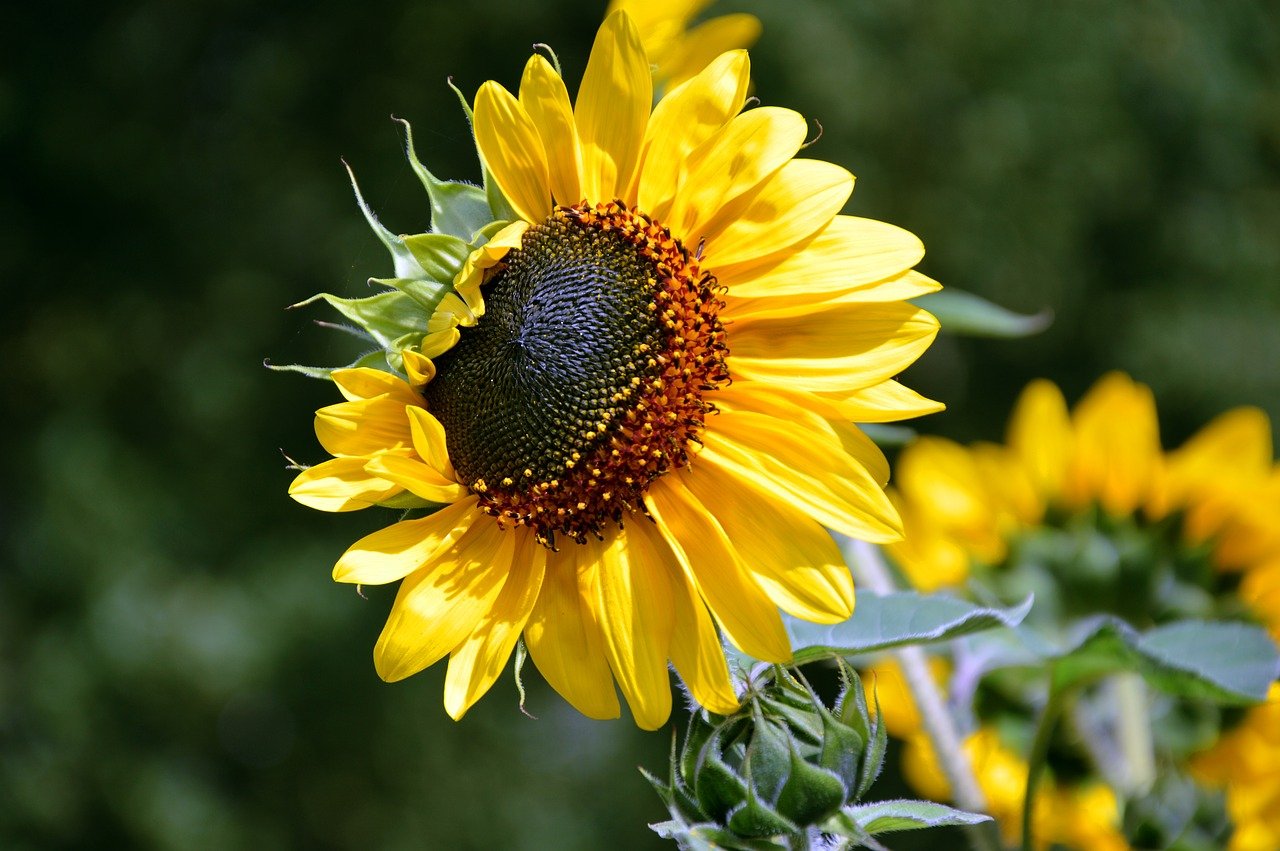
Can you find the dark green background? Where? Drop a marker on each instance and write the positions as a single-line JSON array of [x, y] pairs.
[[176, 668]]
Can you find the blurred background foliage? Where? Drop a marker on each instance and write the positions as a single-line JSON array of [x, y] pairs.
[[176, 668]]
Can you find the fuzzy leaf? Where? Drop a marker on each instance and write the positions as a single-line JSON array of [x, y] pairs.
[[883, 621], [374, 360], [1228, 662], [969, 315], [886, 816]]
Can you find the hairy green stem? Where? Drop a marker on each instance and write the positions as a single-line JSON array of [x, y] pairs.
[[871, 572]]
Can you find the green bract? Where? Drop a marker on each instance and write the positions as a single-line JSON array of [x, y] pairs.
[[425, 266], [784, 771]]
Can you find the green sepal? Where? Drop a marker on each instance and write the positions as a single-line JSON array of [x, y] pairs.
[[873, 756], [710, 837], [801, 720], [499, 206], [488, 232], [768, 762], [887, 816], [841, 752], [440, 255], [811, 792], [373, 360], [695, 740], [405, 265], [458, 209], [754, 818], [425, 292], [716, 786], [387, 317], [964, 313]]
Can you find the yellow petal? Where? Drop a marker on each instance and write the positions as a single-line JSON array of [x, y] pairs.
[[416, 477], [364, 427], [1117, 446], [471, 276], [512, 149], [731, 162], [682, 121], [848, 254], [545, 99], [564, 640], [441, 604], [708, 40], [479, 660], [884, 402], [1039, 435], [807, 412], [394, 552], [1235, 446], [740, 606], [439, 342], [633, 602], [612, 109], [793, 204], [906, 286], [365, 383], [768, 455], [696, 651], [418, 367], [844, 349], [340, 484], [791, 557], [429, 442]]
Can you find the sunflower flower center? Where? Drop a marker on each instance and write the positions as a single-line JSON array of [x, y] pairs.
[[584, 381]]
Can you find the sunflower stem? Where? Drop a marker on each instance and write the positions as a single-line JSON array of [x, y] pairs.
[[1037, 759], [870, 570]]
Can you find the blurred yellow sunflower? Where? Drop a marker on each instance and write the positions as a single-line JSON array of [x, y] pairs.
[[677, 52], [1194, 532], [637, 409], [1066, 815]]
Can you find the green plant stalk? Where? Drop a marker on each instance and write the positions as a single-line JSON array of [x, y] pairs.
[[870, 571], [1134, 728], [1038, 757]]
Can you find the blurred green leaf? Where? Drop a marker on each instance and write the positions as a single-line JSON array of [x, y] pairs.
[[1225, 661], [964, 313]]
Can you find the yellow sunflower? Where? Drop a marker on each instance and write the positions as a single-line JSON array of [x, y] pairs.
[[1202, 520], [677, 52], [637, 410], [1066, 815]]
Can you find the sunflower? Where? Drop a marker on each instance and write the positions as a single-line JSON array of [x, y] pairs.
[[1067, 815], [676, 51], [636, 406], [1114, 523]]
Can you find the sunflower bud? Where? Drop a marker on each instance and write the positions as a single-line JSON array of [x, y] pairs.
[[781, 767]]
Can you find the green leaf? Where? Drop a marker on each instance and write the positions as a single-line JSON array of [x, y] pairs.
[[710, 837], [880, 622], [499, 207], [458, 209], [887, 816], [387, 316], [964, 313], [1228, 662]]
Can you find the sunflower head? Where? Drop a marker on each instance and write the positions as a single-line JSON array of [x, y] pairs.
[[600, 342], [636, 288]]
